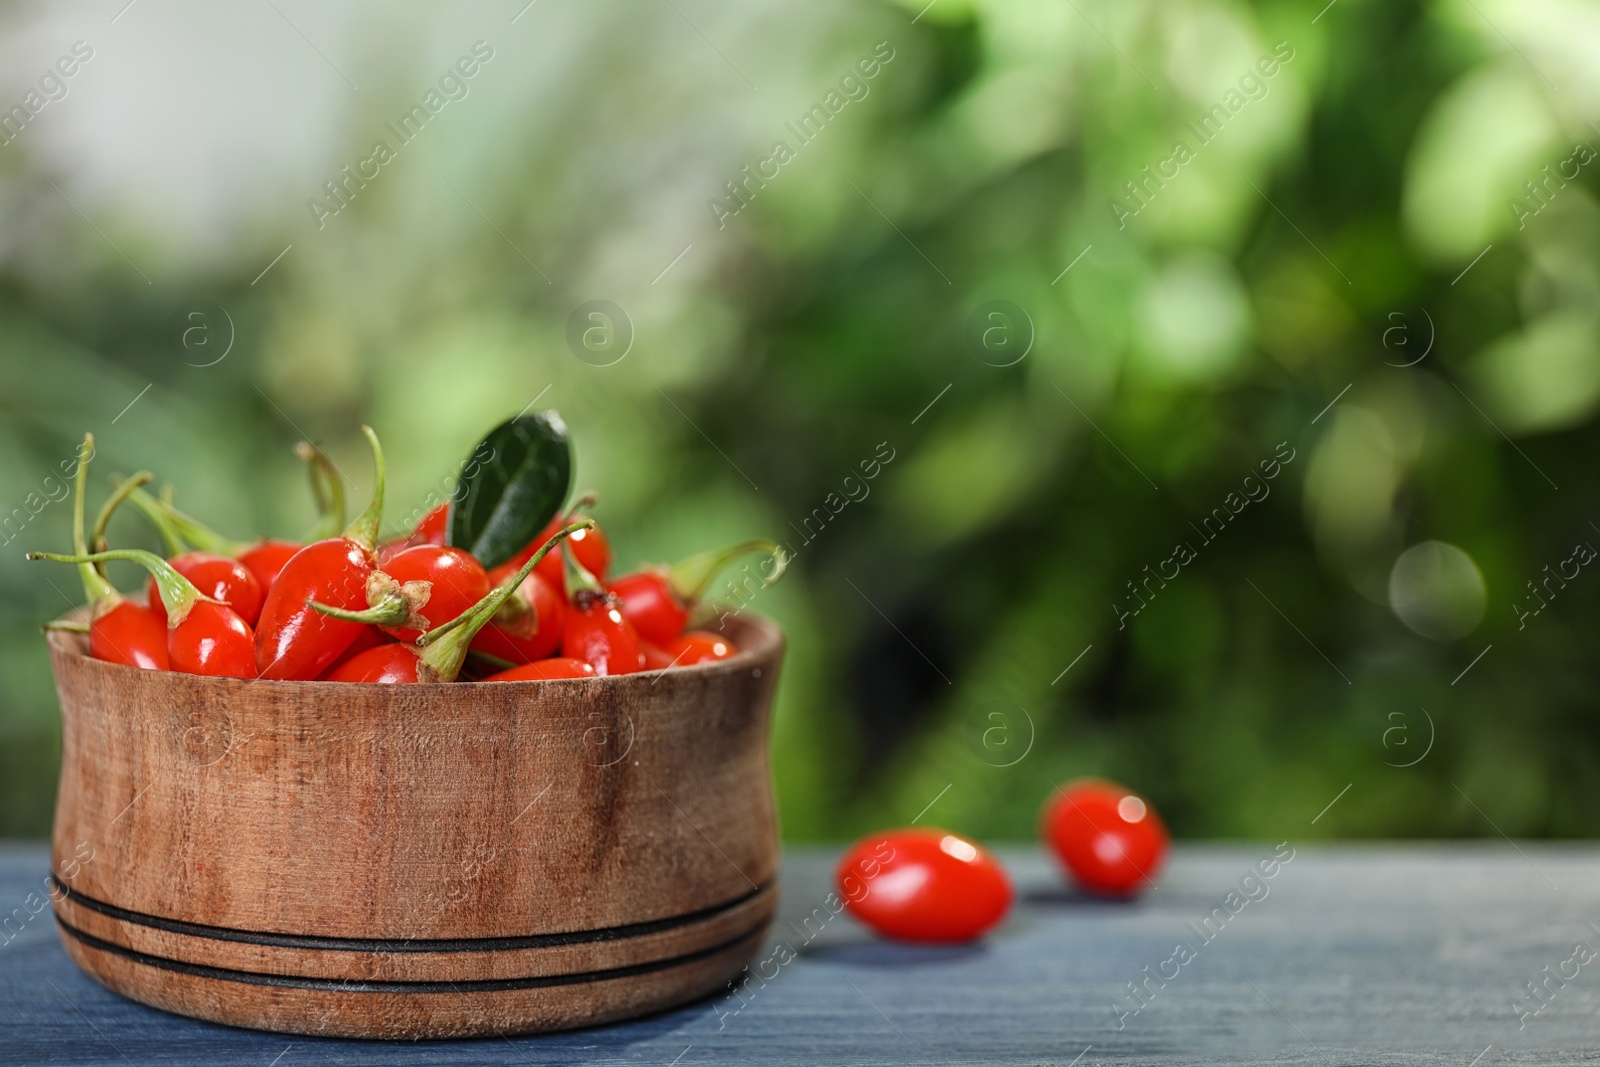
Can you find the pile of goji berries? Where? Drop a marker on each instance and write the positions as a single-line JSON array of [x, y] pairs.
[[349, 608]]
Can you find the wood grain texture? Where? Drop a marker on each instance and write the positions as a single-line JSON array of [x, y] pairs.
[[1410, 955], [416, 861]]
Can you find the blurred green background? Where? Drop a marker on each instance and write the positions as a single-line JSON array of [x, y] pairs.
[[1356, 227]]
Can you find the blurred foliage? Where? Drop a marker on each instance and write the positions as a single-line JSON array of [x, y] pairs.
[[1307, 253]]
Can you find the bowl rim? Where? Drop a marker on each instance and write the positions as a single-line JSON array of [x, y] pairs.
[[768, 644]]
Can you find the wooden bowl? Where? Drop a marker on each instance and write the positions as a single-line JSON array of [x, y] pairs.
[[416, 861]]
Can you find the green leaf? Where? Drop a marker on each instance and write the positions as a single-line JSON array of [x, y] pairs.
[[512, 485]]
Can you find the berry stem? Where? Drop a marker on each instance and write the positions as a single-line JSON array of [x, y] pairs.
[[97, 536], [364, 531], [178, 594], [147, 506], [494, 661], [95, 585], [691, 577], [446, 646], [189, 531], [579, 580], [327, 489]]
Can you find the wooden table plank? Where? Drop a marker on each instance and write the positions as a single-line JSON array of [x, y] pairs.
[[1350, 955]]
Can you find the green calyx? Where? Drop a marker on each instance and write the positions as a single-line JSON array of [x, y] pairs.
[[327, 489], [178, 594], [389, 603], [95, 586], [690, 578], [445, 647], [581, 584], [364, 531], [518, 616]]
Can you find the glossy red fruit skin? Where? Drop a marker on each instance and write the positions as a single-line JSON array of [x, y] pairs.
[[130, 635], [371, 637], [589, 547], [654, 658], [431, 527], [391, 664], [218, 577], [924, 885], [267, 559], [430, 530], [647, 601], [212, 640], [1110, 839], [392, 548], [544, 670], [522, 644], [698, 646], [597, 633], [459, 581], [294, 641]]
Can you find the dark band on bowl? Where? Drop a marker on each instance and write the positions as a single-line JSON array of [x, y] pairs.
[[343, 985], [379, 944]]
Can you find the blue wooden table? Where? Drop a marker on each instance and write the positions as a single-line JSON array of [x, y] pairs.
[[1414, 954]]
